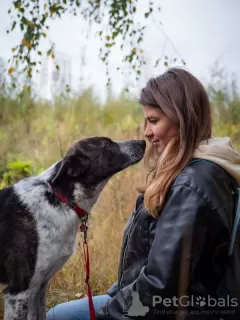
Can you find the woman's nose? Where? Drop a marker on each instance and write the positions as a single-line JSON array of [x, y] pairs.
[[148, 133]]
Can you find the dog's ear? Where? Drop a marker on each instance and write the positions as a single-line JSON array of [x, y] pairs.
[[73, 166]]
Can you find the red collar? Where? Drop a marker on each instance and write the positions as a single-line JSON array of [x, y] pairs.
[[72, 205]]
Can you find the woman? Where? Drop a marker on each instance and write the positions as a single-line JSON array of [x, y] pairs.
[[176, 241]]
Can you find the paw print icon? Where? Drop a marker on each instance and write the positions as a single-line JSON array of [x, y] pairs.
[[200, 301]]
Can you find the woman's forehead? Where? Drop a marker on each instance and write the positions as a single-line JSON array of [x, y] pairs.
[[150, 111]]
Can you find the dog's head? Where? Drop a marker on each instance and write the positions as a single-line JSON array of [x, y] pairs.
[[90, 163]]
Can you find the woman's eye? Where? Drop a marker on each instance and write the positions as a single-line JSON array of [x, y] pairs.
[[153, 121]]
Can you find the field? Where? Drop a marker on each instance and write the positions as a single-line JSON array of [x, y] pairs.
[[34, 134]]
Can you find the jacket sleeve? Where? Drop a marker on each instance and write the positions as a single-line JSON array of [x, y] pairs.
[[178, 242], [113, 289]]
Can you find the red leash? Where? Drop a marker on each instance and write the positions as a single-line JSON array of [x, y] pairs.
[[83, 215], [83, 228]]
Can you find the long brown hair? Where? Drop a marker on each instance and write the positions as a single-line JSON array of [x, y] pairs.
[[182, 97]]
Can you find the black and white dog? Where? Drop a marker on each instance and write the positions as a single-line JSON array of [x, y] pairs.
[[38, 231]]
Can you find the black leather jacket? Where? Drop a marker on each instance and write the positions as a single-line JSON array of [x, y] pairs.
[[183, 252]]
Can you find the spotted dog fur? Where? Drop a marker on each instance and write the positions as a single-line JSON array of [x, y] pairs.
[[38, 232]]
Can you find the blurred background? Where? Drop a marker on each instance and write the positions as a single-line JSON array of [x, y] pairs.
[[37, 125]]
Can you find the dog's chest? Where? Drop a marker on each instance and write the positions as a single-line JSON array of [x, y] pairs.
[[57, 237], [57, 233]]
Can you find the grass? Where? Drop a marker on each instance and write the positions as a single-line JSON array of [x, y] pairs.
[[42, 138], [40, 133]]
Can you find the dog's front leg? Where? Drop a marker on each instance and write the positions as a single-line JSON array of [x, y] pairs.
[[16, 306], [37, 309], [42, 300]]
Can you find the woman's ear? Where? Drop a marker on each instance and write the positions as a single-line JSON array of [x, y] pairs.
[[72, 166]]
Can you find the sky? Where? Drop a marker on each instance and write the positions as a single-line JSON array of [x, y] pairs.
[[199, 31]]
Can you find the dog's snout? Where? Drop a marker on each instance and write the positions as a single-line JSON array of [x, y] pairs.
[[139, 144], [133, 150], [142, 143]]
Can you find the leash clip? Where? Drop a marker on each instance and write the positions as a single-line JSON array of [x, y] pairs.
[[84, 228]]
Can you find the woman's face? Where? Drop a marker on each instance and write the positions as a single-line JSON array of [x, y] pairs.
[[159, 128]]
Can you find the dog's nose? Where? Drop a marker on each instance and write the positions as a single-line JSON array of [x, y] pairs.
[[142, 143]]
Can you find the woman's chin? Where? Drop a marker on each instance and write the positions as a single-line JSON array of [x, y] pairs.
[[158, 150]]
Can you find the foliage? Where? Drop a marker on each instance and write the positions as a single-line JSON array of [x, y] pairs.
[[225, 102], [16, 171], [118, 22], [119, 16]]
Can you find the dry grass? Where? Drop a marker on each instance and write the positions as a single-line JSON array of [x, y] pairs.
[[52, 131], [43, 137]]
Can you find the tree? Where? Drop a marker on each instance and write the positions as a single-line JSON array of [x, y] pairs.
[[33, 17]]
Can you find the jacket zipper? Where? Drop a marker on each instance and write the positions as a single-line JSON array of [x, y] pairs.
[[126, 247]]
